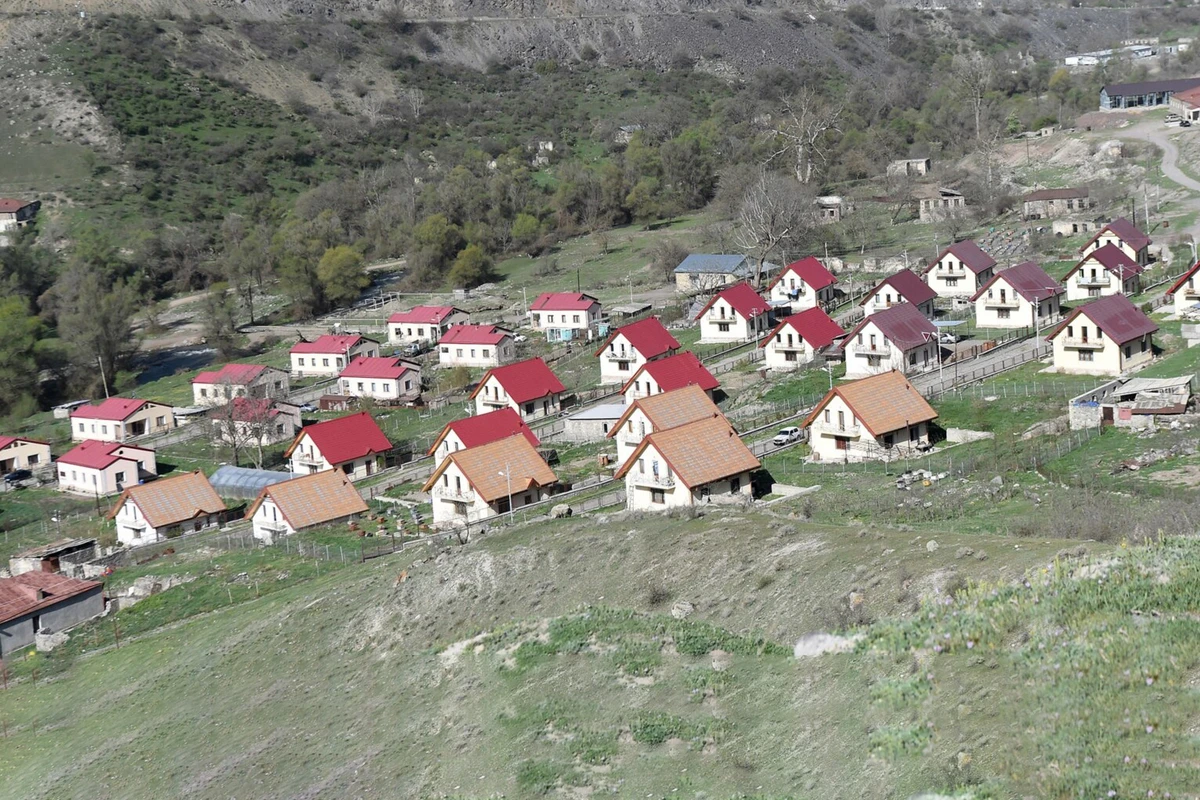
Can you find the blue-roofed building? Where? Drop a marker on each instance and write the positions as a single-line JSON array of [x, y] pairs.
[[703, 272]]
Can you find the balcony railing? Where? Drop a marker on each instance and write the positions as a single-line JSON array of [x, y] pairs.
[[309, 461], [1002, 302], [867, 349], [950, 272], [495, 402], [834, 429], [798, 346], [654, 481], [1083, 344], [620, 355], [452, 495], [1095, 280]]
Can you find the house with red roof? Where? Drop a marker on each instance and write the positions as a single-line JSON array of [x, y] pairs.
[[476, 346], [16, 214], [1186, 104], [528, 387], [1020, 296], [897, 338], [798, 339], [44, 601], [355, 444], [387, 379], [217, 387], [17, 452], [326, 356], [1125, 235], [960, 270], [737, 313], [118, 419], [565, 316], [1185, 292], [255, 421], [1104, 271], [630, 346], [172, 506], [422, 324], [903, 287], [101, 468], [479, 430], [803, 284], [1108, 336], [667, 375]]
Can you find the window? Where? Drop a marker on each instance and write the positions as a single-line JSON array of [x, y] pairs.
[[550, 319], [160, 421], [1085, 355], [399, 332], [1003, 313], [735, 485], [204, 392], [723, 327], [446, 351], [472, 352], [360, 386], [658, 496], [951, 282], [104, 429], [576, 318], [790, 355], [120, 478], [1128, 351], [827, 417], [339, 361], [324, 362], [485, 352], [623, 366], [372, 386], [81, 428], [458, 352], [33, 459], [300, 361]]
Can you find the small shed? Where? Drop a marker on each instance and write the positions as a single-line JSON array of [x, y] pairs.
[[1130, 402], [63, 556], [592, 424], [335, 402], [243, 483]]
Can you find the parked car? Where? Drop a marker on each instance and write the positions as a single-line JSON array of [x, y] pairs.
[[16, 476], [786, 436], [947, 338], [1170, 118], [1185, 123], [520, 337], [307, 408]]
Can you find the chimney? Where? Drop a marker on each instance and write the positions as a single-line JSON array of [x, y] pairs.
[[41, 594]]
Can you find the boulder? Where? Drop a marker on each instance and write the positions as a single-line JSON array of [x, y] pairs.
[[682, 609]]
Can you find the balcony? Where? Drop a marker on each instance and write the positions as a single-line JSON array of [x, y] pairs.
[[834, 429], [788, 346], [1190, 293], [654, 481], [1075, 343], [868, 349], [950, 272], [1001, 302], [308, 461], [495, 402], [452, 495], [1095, 280], [620, 355]]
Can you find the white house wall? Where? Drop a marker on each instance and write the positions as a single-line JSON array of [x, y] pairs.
[[417, 332], [457, 354], [619, 361], [863, 361], [24, 455], [737, 327], [153, 418], [268, 522], [795, 291], [950, 277]]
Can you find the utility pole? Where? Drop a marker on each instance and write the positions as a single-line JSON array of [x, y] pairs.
[[103, 378]]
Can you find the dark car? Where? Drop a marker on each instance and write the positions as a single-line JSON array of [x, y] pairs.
[[16, 476], [1186, 123]]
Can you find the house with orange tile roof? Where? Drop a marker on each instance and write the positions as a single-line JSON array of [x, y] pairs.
[[481, 482], [174, 506], [630, 346], [353, 444], [326, 356], [659, 412], [120, 418], [44, 601], [692, 464], [217, 387], [103, 468], [528, 387], [877, 418], [17, 452], [323, 498], [737, 313], [423, 324]]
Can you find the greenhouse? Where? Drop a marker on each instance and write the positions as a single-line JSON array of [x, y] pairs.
[[246, 483]]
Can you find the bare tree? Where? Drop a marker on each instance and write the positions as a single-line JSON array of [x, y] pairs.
[[414, 98], [775, 211], [974, 74], [804, 124]]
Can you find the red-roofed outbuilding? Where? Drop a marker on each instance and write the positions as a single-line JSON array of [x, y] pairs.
[[806, 283], [479, 430]]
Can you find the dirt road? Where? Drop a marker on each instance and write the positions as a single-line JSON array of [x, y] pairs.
[[1157, 134]]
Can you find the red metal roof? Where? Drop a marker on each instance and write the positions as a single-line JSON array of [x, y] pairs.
[[741, 298], [973, 257], [345, 438], [1189, 96], [1026, 279], [327, 344], [425, 315], [1125, 230], [524, 381], [486, 428], [563, 301], [675, 372], [1113, 259], [114, 408], [474, 334], [810, 270], [1183, 279], [20, 595], [647, 336], [385, 368], [11, 206], [233, 374], [902, 324], [813, 325], [97, 455], [1120, 319], [907, 285], [5, 441]]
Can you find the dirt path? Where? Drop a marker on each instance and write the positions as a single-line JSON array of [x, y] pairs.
[[1155, 133]]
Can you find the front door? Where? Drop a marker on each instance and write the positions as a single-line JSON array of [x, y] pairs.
[[841, 443]]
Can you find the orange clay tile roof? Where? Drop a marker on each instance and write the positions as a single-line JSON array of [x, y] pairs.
[[484, 468], [172, 500], [883, 403], [312, 499], [698, 453], [671, 409], [20, 595]]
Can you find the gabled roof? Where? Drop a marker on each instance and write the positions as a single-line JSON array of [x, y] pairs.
[[1120, 319], [1113, 259], [11, 206], [706, 263], [647, 336], [1182, 280], [5, 441], [907, 284], [329, 344], [33, 591], [425, 315], [252, 409], [1069, 193], [312, 499], [485, 468], [1124, 230], [882, 403], [485, 428], [742, 299], [670, 409], [1189, 96], [114, 409], [345, 438], [474, 334], [811, 271], [98, 455], [232, 374], [675, 372], [563, 301], [698, 453], [812, 325], [169, 501], [523, 381], [1151, 87], [969, 253], [902, 324], [1026, 279], [387, 368]]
